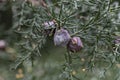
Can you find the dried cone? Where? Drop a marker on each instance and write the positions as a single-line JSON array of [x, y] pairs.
[[49, 24], [75, 44], [49, 27], [61, 37]]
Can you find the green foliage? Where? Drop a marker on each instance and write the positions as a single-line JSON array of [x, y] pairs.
[[96, 22]]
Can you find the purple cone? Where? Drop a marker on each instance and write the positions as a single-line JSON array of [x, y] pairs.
[[61, 37], [75, 44], [2, 45], [117, 40]]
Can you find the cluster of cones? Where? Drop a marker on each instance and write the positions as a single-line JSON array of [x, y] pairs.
[[63, 38]]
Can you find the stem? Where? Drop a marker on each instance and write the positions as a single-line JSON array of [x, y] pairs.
[[76, 77], [69, 58]]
